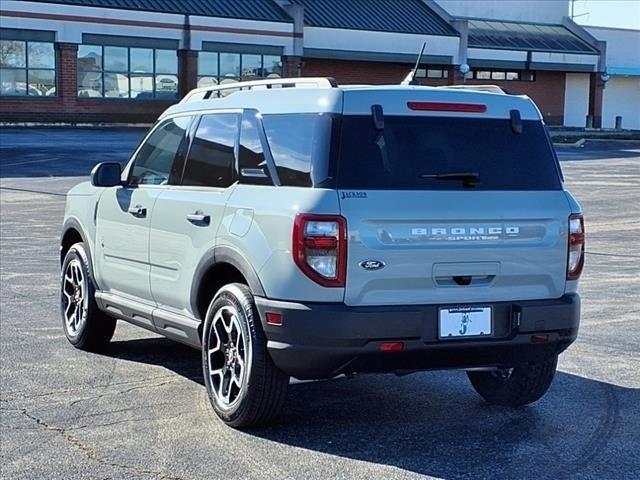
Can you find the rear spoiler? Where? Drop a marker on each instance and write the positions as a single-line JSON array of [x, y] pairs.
[[479, 88]]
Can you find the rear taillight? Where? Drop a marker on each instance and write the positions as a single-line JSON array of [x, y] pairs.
[[320, 248], [575, 259]]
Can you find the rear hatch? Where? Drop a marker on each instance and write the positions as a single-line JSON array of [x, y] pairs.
[[450, 209]]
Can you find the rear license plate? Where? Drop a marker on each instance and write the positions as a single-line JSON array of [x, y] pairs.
[[459, 322]]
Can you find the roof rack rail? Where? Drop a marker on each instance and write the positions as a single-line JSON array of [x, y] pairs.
[[479, 88], [217, 91]]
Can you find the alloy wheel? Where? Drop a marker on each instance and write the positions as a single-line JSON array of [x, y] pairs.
[[74, 297], [229, 357]]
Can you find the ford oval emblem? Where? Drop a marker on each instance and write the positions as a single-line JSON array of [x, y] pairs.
[[372, 264]]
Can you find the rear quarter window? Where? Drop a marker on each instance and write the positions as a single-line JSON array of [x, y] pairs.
[[411, 147], [300, 145]]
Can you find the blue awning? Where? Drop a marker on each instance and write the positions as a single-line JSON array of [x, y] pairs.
[[627, 71]]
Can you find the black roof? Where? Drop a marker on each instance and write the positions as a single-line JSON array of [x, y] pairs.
[[525, 36], [267, 10], [400, 16]]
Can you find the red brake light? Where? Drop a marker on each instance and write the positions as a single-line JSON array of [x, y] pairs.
[[447, 107], [575, 255], [392, 346], [321, 243], [320, 248]]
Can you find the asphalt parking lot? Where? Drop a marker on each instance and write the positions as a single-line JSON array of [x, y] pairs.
[[140, 411]]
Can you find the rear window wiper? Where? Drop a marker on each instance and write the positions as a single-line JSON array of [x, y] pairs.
[[468, 178]]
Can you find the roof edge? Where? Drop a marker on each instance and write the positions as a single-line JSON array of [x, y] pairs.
[[142, 9]]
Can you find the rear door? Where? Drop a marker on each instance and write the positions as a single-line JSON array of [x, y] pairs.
[[187, 216], [493, 229]]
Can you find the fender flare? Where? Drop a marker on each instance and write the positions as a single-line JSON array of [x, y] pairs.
[[224, 254], [73, 223]]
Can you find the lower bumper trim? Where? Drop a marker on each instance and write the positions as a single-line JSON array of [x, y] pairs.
[[324, 340]]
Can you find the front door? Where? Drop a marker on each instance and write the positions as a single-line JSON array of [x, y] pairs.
[[124, 213]]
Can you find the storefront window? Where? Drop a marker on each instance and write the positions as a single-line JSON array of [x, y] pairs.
[[500, 75], [223, 67], [230, 66], [432, 72], [251, 67], [27, 68], [207, 69], [127, 72]]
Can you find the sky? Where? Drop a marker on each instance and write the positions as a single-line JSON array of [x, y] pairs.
[[608, 13]]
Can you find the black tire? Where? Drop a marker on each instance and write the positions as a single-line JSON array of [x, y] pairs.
[[515, 387], [95, 328], [262, 394]]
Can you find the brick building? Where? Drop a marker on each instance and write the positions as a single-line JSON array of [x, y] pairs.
[[125, 61]]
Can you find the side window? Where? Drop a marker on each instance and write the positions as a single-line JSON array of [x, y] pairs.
[[301, 147], [253, 165], [211, 159], [156, 162]]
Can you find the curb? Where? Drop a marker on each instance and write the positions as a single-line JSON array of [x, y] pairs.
[[577, 144]]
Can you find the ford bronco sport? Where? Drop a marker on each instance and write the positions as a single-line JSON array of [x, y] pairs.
[[296, 228]]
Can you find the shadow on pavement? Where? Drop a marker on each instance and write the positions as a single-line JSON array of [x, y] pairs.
[[434, 424], [63, 152]]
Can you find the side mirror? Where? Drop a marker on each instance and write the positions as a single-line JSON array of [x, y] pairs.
[[106, 174]]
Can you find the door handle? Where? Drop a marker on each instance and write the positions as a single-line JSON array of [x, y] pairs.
[[138, 211], [199, 218]]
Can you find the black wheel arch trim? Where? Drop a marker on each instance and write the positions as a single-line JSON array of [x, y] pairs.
[[224, 254], [72, 223]]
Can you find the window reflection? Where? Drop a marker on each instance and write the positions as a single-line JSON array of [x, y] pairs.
[[127, 72], [225, 67], [27, 68]]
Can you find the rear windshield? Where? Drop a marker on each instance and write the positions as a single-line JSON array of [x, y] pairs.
[[411, 152]]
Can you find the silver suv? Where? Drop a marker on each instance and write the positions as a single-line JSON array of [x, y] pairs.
[[296, 228]]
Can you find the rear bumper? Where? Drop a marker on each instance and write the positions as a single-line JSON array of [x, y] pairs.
[[319, 340]]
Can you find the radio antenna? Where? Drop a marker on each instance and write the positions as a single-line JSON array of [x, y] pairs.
[[410, 79]]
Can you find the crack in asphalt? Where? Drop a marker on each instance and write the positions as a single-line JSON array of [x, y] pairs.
[[139, 387], [24, 396], [118, 422], [148, 386], [90, 453]]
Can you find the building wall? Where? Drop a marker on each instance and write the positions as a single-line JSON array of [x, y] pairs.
[[545, 11], [71, 21], [547, 91], [622, 91], [350, 72], [382, 42], [623, 45], [622, 97], [560, 96], [576, 99], [68, 108]]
